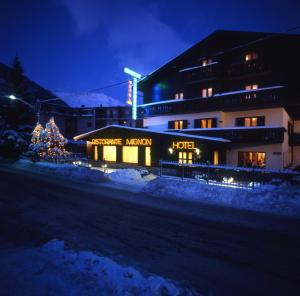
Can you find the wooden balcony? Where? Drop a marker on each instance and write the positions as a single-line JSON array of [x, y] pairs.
[[262, 98], [244, 135]]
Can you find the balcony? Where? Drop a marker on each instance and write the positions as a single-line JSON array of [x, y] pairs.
[[198, 73], [248, 68], [231, 101], [244, 135]]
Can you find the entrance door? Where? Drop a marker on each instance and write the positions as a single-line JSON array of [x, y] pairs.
[[216, 157], [185, 157], [147, 156]]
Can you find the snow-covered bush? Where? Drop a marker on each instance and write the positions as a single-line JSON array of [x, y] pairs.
[[13, 142]]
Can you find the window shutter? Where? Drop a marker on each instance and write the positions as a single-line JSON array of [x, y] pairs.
[[185, 123], [239, 121], [261, 120], [170, 124], [214, 122]]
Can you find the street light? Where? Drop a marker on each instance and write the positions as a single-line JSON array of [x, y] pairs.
[[12, 97], [36, 107]]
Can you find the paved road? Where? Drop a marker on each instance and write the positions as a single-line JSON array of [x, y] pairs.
[[215, 250]]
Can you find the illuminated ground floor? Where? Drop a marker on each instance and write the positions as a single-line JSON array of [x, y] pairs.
[[143, 147]]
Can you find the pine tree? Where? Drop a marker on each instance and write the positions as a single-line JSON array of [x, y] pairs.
[[54, 141], [36, 134], [16, 78], [37, 146]]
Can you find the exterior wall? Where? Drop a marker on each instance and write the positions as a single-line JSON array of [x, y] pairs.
[[83, 124], [297, 126], [273, 116]]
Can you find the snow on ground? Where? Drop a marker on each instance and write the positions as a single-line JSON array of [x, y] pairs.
[[54, 270], [284, 199], [127, 177], [64, 170]]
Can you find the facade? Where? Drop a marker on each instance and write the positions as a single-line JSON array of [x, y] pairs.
[[144, 147], [239, 86]]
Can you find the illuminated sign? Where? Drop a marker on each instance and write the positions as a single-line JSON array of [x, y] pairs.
[[129, 96], [135, 76], [139, 142], [183, 145], [127, 142], [107, 141]]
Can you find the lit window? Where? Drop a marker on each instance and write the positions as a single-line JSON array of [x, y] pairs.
[[110, 153], [251, 86], [206, 62], [250, 121], [95, 153], [207, 92], [178, 124], [252, 159], [185, 157], [251, 56], [178, 95], [130, 154], [206, 123]]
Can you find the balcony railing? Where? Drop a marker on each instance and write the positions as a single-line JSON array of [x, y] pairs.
[[250, 67], [199, 72], [261, 98], [259, 135]]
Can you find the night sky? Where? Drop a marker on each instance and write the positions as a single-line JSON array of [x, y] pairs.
[[78, 45]]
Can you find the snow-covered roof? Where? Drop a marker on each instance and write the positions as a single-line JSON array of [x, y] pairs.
[[197, 67], [89, 99], [215, 95], [231, 128], [216, 139]]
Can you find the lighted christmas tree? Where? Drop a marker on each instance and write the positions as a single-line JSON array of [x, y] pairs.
[[36, 134], [53, 141], [37, 145]]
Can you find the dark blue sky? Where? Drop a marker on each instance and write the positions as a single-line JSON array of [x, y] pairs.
[[77, 45]]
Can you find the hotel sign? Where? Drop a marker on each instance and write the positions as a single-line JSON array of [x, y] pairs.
[[125, 142], [184, 145]]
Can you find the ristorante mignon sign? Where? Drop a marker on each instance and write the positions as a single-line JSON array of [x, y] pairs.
[[125, 142]]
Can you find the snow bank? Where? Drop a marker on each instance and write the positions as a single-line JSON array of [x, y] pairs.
[[53, 270], [130, 177], [283, 199], [65, 170]]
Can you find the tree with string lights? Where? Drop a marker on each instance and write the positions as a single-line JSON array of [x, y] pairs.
[[37, 146], [53, 141]]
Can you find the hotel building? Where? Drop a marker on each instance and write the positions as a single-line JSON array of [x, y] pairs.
[[233, 98]]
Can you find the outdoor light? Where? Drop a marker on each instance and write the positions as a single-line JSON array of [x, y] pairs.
[[171, 150], [12, 97], [132, 73], [197, 151]]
